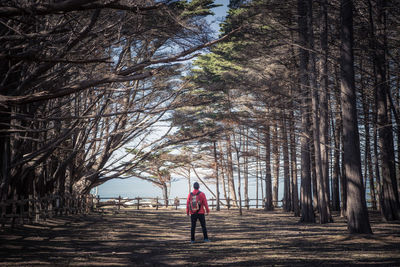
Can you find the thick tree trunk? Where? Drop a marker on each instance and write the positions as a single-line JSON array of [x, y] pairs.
[[357, 214], [165, 193], [307, 213], [324, 114], [390, 205]]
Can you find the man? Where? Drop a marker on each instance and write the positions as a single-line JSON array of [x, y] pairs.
[[198, 211]]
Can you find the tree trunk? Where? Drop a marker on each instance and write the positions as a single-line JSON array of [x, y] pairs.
[[165, 194], [246, 169], [357, 214], [223, 168], [368, 159], [293, 159], [268, 179], [216, 174], [390, 208], [324, 115], [336, 159], [307, 213], [231, 182], [323, 208], [275, 152], [286, 168], [237, 150], [313, 175], [257, 167], [5, 152]]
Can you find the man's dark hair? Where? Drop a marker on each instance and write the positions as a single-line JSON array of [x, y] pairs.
[[196, 185]]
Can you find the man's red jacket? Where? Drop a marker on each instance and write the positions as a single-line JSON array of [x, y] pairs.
[[203, 201]]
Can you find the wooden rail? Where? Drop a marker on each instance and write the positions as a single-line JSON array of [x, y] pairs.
[[21, 211], [151, 202]]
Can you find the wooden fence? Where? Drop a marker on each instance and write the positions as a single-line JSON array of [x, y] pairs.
[[21, 211], [150, 202]]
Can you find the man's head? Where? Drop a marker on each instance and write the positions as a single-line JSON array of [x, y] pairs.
[[196, 185]]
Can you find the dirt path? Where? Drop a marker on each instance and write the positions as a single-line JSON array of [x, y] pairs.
[[161, 238]]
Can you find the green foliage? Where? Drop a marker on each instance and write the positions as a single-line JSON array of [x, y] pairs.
[[194, 8]]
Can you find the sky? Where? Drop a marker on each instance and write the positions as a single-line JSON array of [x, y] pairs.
[[134, 187]]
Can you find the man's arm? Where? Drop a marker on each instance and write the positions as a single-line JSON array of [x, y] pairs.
[[205, 203]]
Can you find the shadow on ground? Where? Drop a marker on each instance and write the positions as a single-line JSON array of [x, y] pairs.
[[161, 238]]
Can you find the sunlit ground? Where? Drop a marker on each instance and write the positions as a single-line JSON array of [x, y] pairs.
[[161, 238]]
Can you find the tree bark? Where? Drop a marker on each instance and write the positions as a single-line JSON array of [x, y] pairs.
[[390, 205], [268, 179], [293, 160], [286, 166], [275, 152], [357, 214], [231, 182], [216, 174], [336, 159], [324, 98], [307, 213]]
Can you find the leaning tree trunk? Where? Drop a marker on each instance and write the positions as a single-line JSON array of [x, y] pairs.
[[357, 214]]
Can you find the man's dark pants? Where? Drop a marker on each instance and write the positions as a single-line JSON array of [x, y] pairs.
[[202, 220]]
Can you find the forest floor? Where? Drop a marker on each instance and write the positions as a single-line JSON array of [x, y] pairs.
[[161, 238]]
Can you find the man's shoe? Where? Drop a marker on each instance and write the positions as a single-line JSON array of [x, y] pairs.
[[192, 241], [206, 240]]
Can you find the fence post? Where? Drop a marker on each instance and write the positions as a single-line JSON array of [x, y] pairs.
[[138, 202], [212, 204], [229, 203], [119, 202], [97, 201], [156, 203]]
